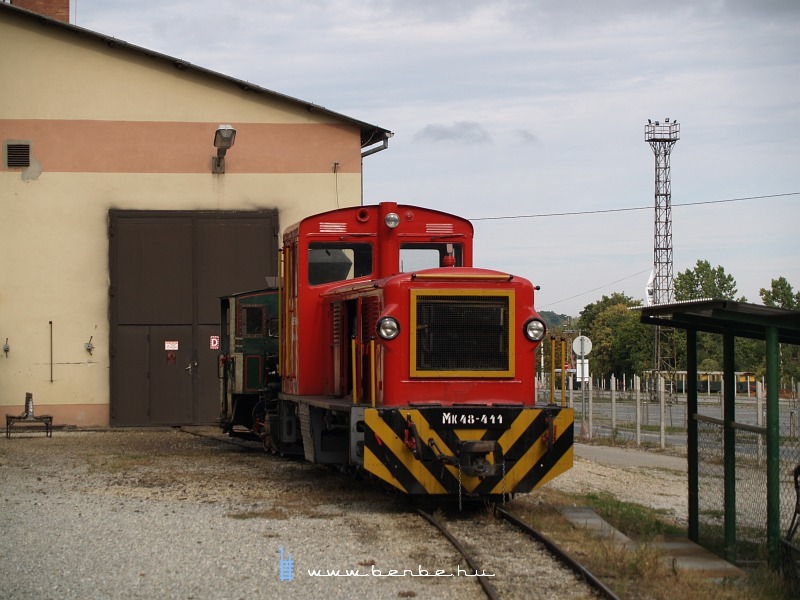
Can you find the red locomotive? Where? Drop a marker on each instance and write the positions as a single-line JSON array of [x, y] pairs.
[[400, 359]]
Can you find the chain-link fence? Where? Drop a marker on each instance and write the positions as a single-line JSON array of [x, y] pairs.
[[618, 414], [750, 483]]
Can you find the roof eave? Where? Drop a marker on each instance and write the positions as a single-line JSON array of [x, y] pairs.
[[719, 316], [370, 134]]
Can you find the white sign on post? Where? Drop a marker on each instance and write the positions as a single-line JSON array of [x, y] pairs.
[[582, 370], [581, 346]]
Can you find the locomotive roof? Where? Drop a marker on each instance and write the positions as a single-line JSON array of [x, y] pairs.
[[374, 208]]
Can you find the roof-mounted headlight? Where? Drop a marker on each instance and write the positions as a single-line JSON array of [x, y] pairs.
[[534, 329], [392, 220], [388, 328]]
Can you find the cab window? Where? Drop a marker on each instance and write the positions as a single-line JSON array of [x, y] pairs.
[[252, 321], [415, 257], [338, 261]]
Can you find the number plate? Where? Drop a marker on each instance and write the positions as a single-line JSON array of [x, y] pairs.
[[469, 418]]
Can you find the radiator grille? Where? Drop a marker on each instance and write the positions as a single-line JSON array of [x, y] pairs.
[[370, 312], [336, 321], [463, 335]]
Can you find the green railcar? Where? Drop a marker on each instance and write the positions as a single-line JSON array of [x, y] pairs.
[[248, 362]]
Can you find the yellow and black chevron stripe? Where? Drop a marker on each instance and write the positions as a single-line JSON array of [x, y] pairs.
[[417, 450]]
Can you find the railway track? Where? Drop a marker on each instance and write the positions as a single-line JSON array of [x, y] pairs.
[[510, 559], [505, 555], [243, 442]]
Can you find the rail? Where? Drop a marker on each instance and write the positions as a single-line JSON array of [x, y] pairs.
[[581, 572], [560, 554], [488, 588]]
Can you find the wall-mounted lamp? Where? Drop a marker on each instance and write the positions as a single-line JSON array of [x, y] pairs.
[[223, 141], [6, 347], [89, 345]]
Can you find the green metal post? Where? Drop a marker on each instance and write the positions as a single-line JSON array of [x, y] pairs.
[[692, 440], [773, 448], [729, 443]]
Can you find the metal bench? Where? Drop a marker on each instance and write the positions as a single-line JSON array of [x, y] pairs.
[[29, 417]]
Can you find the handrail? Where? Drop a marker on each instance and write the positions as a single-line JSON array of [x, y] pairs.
[[705, 419], [468, 276], [733, 424], [372, 370], [354, 369]]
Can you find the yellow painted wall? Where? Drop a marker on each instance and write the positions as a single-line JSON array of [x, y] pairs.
[[53, 215]]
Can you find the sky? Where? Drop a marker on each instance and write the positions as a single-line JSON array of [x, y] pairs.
[[536, 110]]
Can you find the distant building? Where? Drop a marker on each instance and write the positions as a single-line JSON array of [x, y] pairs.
[[117, 237]]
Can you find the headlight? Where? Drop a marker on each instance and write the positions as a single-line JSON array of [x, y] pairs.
[[534, 329], [392, 220], [388, 328]]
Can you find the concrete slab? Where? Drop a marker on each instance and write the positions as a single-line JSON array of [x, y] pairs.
[[685, 555], [583, 517], [679, 552]]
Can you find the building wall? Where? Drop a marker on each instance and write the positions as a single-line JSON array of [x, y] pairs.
[[110, 129], [55, 9]]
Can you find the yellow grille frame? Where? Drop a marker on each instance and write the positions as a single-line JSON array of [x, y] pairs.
[[439, 374]]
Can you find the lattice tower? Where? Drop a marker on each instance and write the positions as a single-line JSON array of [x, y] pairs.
[[662, 137]]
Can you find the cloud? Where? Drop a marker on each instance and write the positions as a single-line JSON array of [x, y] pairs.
[[525, 136], [461, 132], [551, 99]]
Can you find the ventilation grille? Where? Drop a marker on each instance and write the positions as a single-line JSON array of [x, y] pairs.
[[439, 228], [336, 321], [18, 155], [462, 334], [370, 311], [333, 227]]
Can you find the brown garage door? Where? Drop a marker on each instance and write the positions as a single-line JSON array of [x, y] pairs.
[[168, 270]]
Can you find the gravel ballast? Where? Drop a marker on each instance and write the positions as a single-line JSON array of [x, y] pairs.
[[165, 514], [168, 513]]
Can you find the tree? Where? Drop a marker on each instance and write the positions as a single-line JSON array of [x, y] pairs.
[[591, 311], [780, 294], [705, 282], [620, 343], [554, 320]]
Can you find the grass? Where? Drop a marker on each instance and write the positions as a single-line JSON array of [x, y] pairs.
[[667, 429], [634, 520], [644, 572]]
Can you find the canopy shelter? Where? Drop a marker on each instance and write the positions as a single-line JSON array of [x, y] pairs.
[[732, 320]]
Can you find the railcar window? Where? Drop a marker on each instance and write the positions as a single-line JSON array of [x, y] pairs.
[[415, 257], [272, 328], [252, 321], [338, 261]]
